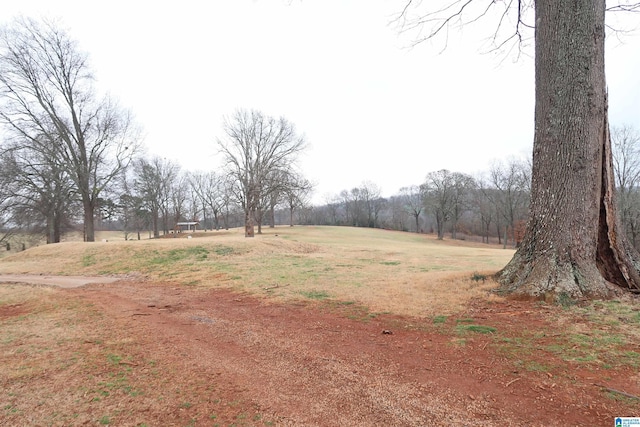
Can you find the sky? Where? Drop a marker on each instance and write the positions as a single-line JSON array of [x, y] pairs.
[[372, 107]]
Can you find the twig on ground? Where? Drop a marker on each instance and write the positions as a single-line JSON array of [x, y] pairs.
[[268, 288], [512, 381], [613, 390]]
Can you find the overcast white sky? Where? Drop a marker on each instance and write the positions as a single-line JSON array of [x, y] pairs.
[[371, 108]]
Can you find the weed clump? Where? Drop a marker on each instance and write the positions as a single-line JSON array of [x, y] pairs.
[[478, 277]]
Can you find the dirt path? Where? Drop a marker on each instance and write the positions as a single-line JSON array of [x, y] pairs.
[[59, 281], [332, 365]]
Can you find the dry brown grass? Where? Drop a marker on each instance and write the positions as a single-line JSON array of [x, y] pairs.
[[386, 271], [65, 363], [164, 353]]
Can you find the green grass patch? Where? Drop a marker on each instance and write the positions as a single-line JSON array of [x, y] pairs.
[[317, 295], [439, 319], [631, 358], [479, 329], [533, 366], [198, 253], [114, 359], [88, 260], [223, 250], [618, 397]]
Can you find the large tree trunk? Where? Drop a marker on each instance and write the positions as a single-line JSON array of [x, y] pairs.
[[89, 230], [259, 216], [440, 225], [572, 247], [155, 225], [249, 230], [53, 229]]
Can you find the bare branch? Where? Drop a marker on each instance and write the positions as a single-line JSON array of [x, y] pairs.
[[511, 18], [634, 7]]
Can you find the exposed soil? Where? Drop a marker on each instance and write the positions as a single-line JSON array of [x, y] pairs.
[[223, 358], [59, 281]]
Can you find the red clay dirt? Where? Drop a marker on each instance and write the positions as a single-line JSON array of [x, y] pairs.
[[252, 361]]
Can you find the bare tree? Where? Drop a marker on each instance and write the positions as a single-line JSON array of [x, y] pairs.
[[626, 166], [6, 230], [228, 200], [134, 216], [412, 199], [372, 201], [296, 194], [511, 182], [168, 173], [48, 99], [396, 215], [273, 193], [348, 206], [483, 206], [333, 207], [462, 185], [209, 188], [438, 190], [255, 148], [179, 195], [37, 186], [572, 245], [152, 184]]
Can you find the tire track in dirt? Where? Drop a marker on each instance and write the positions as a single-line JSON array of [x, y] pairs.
[[306, 365]]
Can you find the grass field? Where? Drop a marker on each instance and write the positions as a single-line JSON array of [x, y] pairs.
[[387, 271], [162, 348]]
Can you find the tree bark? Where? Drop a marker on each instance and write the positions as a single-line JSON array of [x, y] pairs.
[[155, 223], [53, 228], [89, 230], [440, 225], [571, 247], [249, 230]]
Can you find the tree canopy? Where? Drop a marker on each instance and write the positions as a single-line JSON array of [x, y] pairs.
[[48, 106]]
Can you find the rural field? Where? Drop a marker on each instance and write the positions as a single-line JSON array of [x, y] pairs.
[[303, 326]]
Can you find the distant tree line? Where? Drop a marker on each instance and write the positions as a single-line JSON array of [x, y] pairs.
[[492, 206], [72, 160], [446, 203]]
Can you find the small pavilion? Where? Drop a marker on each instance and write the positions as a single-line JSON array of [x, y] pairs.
[[188, 226]]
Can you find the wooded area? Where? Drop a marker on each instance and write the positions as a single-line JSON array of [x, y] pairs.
[[71, 150]]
